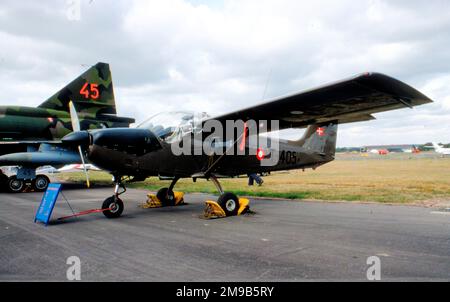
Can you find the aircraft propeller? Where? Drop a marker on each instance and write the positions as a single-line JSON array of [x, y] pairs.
[[76, 128]]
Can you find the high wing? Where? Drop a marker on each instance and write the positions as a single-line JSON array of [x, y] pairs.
[[351, 100]]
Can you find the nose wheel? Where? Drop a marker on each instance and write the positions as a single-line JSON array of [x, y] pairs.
[[112, 207]]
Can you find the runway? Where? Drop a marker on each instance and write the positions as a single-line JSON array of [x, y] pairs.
[[282, 241]]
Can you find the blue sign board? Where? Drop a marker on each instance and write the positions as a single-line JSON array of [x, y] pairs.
[[48, 203]]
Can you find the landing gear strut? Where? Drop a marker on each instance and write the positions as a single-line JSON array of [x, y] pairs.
[[228, 201], [113, 206], [165, 197]]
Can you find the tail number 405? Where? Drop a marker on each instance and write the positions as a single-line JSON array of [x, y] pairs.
[[90, 91]]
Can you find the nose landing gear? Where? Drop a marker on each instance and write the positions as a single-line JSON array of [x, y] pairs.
[[113, 206]]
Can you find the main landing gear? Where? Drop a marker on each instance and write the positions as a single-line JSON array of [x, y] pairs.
[[166, 195], [228, 204], [40, 183], [113, 206], [16, 185]]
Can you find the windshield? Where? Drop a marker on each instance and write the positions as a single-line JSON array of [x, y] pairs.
[[171, 126]]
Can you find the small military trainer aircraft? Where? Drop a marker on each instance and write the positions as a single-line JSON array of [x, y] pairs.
[[133, 154]]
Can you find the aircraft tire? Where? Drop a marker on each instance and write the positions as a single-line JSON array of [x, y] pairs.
[[15, 185], [116, 204], [167, 198], [40, 183], [229, 203]]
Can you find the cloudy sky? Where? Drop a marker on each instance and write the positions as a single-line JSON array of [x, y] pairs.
[[218, 56]]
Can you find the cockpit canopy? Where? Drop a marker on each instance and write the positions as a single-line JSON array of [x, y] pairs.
[[172, 126]]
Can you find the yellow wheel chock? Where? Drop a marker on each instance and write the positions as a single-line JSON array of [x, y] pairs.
[[214, 210], [154, 202]]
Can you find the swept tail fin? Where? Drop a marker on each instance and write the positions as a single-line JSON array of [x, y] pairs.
[[92, 93]]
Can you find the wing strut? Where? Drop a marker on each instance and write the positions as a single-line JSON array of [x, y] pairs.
[[404, 103], [214, 164]]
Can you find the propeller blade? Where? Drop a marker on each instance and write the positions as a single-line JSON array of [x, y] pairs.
[[84, 166], [74, 117]]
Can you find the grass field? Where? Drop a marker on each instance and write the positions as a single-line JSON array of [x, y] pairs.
[[396, 178]]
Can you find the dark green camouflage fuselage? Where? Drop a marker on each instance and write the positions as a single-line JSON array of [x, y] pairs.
[[38, 124]]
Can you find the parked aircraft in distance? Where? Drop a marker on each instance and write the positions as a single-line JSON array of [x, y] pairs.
[[67, 168], [439, 149]]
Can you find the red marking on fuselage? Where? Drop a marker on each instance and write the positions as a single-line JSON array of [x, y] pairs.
[[320, 131], [260, 154], [244, 138]]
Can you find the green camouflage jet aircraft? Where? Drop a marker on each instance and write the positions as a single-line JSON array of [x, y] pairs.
[[29, 136]]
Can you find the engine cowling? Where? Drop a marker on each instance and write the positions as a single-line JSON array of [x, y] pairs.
[[132, 141], [116, 150]]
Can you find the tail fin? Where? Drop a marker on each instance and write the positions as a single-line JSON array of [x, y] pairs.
[[92, 93], [320, 138]]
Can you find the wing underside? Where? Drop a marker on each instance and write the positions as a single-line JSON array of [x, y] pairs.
[[351, 100]]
